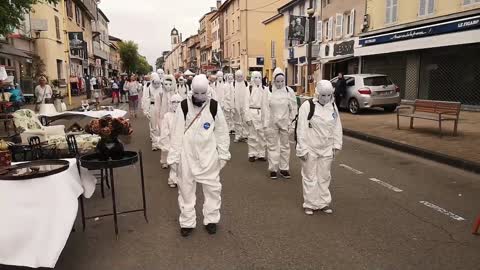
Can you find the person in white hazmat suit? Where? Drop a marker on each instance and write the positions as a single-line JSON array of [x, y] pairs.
[[161, 73], [256, 131], [200, 147], [240, 98], [152, 107], [219, 88], [280, 110], [319, 139], [166, 132], [228, 102], [182, 88], [170, 89]]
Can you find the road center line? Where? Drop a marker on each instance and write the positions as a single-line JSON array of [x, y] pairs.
[[441, 210], [387, 185], [355, 171]]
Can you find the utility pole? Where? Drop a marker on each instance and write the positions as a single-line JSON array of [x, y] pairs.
[[310, 39]]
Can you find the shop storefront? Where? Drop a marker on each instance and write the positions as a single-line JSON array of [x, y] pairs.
[[437, 61], [336, 57]]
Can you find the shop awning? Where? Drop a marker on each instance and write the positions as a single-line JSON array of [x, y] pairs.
[[336, 59], [457, 38], [10, 50]]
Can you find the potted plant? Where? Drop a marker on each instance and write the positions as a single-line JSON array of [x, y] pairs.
[[108, 128]]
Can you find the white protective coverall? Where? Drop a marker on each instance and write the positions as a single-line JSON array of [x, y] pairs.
[[200, 145], [318, 140], [228, 102], [169, 86], [254, 116], [240, 99], [152, 108], [280, 110], [182, 88], [166, 132], [219, 88]]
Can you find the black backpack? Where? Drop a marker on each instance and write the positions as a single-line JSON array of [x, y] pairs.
[[213, 108], [310, 115]]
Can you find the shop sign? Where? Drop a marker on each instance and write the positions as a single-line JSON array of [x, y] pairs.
[[344, 48], [260, 61], [424, 31]]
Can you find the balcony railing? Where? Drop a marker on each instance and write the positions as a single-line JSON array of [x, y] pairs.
[[97, 51]]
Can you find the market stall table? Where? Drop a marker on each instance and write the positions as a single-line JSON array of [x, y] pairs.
[[38, 215]]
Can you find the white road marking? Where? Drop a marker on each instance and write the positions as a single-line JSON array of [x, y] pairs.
[[387, 185], [355, 171], [443, 211]]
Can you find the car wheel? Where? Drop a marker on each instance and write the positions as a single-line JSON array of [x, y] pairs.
[[390, 108], [353, 106]]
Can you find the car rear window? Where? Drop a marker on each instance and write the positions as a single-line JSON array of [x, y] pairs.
[[377, 81]]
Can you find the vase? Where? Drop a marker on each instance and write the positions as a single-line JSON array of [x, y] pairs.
[[110, 148]]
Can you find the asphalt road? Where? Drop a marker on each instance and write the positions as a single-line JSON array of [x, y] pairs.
[[387, 216]]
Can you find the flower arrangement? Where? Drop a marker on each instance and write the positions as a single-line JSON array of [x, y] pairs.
[[109, 128]]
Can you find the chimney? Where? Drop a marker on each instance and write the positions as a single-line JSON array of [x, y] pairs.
[[219, 3], [213, 8]]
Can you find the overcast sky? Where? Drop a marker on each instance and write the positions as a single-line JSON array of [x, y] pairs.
[[149, 22]]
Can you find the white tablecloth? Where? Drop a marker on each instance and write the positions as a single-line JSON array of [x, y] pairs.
[[37, 216], [95, 114]]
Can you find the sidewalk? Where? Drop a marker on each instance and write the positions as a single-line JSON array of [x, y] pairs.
[[425, 134]]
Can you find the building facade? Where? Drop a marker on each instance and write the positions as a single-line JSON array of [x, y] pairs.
[[274, 45], [427, 47], [174, 59], [101, 44], [114, 61], [205, 37], [217, 39]]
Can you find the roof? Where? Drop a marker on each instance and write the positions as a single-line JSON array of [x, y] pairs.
[[10, 50], [103, 14], [273, 18], [206, 14], [288, 5], [112, 38], [224, 5]]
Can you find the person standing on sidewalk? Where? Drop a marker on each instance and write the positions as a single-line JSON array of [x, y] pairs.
[[133, 88], [340, 89], [280, 110], [200, 149], [319, 139], [115, 91]]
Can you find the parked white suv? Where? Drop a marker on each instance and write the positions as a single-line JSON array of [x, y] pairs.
[[368, 91]]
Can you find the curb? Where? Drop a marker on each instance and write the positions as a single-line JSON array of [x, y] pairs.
[[424, 153]]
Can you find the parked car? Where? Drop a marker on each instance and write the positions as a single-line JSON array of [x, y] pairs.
[[368, 91]]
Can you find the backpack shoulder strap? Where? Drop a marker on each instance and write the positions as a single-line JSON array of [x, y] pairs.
[[246, 83], [184, 105], [234, 83], [213, 108], [312, 109], [270, 88]]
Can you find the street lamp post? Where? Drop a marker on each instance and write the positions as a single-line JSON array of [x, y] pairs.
[[310, 39]]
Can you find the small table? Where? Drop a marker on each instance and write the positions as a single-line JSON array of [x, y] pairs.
[[93, 162]]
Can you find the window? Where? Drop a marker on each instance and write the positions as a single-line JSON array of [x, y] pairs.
[[239, 53], [233, 50], [68, 3], [238, 4], [470, 2], [57, 27], [233, 26], [318, 35], [339, 25], [226, 50], [391, 11], [83, 21], [350, 21], [226, 27], [272, 49], [78, 15], [302, 9], [59, 69], [426, 7], [329, 29], [326, 2], [238, 21], [287, 41]]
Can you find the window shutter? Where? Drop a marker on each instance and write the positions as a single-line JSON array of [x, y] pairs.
[[286, 38], [431, 6], [388, 17], [394, 10], [352, 22], [422, 12], [339, 25], [330, 28], [319, 29]]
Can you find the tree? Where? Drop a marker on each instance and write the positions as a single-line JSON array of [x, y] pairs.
[[143, 66], [160, 62], [12, 13], [129, 55]]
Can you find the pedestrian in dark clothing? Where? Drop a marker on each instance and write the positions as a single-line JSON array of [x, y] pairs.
[[265, 81], [123, 93], [340, 89]]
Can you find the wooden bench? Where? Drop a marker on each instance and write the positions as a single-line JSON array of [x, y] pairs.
[[431, 110]]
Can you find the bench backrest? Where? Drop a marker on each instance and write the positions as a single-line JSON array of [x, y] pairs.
[[434, 106]]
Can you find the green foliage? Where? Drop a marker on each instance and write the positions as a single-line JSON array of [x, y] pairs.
[[143, 66], [12, 13], [132, 61]]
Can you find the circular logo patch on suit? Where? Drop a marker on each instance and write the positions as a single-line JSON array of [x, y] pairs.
[[206, 125]]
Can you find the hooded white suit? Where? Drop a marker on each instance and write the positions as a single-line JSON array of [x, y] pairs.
[[201, 148], [228, 102], [240, 103], [317, 142], [280, 110], [254, 116], [182, 88], [220, 89], [169, 87], [166, 134], [152, 108]]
